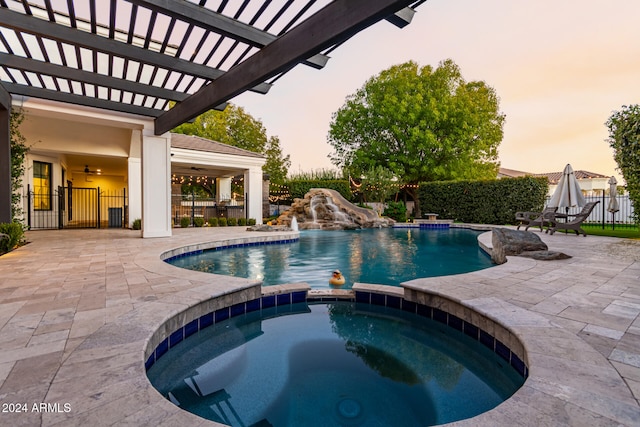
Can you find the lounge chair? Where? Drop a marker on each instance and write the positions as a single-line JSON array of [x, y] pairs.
[[572, 224], [535, 219]]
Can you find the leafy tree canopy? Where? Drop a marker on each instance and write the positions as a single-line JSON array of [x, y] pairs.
[[422, 124], [234, 126], [624, 138]]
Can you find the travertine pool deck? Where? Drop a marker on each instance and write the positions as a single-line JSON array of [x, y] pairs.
[[78, 306]]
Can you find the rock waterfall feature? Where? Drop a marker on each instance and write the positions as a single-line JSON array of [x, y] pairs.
[[326, 209]]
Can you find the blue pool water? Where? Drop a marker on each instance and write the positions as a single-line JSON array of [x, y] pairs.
[[387, 256], [333, 364]]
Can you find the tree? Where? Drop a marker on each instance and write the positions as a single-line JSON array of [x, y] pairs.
[[378, 184], [421, 123], [19, 150], [234, 126], [624, 138], [277, 166]]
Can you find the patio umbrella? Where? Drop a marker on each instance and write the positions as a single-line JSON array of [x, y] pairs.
[[568, 193], [613, 200]]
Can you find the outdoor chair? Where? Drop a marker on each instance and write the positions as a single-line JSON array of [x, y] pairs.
[[535, 219], [572, 224]]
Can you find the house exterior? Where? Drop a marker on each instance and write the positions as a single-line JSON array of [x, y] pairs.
[[591, 184], [87, 165]]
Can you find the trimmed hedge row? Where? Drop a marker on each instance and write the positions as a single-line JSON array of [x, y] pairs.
[[298, 189], [484, 202]]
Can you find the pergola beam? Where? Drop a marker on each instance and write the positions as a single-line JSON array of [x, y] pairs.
[[86, 101], [218, 23], [67, 73], [333, 24], [74, 37]]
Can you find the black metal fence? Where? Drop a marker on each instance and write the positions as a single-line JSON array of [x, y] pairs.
[[76, 207], [184, 206], [601, 215]]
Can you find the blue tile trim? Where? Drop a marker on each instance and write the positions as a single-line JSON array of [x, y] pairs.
[[503, 351], [455, 322], [424, 311], [487, 340], [283, 299], [297, 297], [268, 301], [221, 314], [364, 297], [176, 337], [150, 361], [191, 328], [237, 310], [206, 321], [253, 305], [439, 315], [393, 302], [162, 348], [235, 245], [435, 226], [284, 302], [471, 330], [409, 306], [378, 299]]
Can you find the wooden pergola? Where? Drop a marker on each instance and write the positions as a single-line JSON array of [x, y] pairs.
[[167, 59]]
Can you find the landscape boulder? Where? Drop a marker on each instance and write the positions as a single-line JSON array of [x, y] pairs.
[[508, 242]]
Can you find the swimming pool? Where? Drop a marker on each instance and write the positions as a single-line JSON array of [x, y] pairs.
[[386, 256], [338, 363]]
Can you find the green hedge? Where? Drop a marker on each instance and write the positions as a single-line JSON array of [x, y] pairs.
[[299, 188], [483, 202], [16, 235]]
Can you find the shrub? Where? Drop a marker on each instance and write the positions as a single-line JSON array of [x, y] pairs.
[[16, 236], [137, 224], [185, 221], [198, 221], [232, 222], [251, 222], [222, 222], [242, 222], [396, 211], [484, 201], [213, 222]]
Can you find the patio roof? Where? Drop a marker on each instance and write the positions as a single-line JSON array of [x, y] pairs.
[[147, 56], [169, 60]]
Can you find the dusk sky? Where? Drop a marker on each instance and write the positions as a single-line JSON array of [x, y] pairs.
[[560, 69]]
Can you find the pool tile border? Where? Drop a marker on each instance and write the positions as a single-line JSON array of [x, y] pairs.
[[285, 299], [186, 251]]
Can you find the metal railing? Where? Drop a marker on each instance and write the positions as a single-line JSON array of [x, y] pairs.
[[600, 214], [186, 206], [76, 207]]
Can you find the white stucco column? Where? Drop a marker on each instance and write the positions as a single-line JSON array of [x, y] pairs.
[[253, 193], [156, 184], [134, 177], [223, 189]]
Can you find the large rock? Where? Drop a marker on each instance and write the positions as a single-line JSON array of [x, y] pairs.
[[508, 242], [513, 242], [326, 209]]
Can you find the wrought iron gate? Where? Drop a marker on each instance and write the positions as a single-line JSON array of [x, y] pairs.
[[77, 207]]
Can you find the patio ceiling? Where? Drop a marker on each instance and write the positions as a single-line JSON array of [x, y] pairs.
[[144, 56]]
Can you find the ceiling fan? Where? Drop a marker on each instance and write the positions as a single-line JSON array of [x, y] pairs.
[[91, 172]]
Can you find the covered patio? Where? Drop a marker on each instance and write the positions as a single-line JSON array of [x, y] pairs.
[[136, 69]]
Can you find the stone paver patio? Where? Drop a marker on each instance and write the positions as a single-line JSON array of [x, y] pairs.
[[78, 306]]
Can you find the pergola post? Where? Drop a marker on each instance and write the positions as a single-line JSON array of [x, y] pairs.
[[5, 156]]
